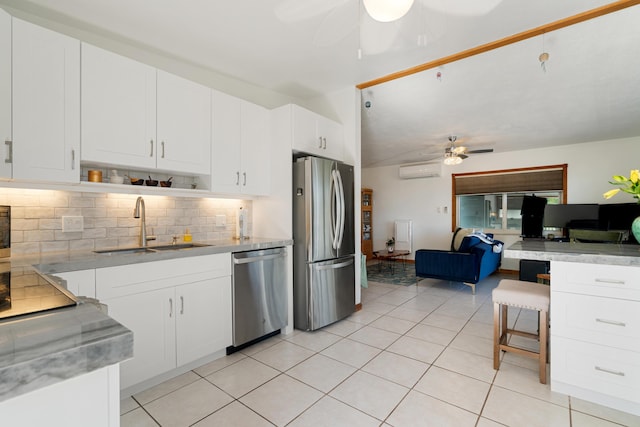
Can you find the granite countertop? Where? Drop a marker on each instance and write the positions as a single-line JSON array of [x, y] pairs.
[[47, 348], [60, 262], [590, 253]]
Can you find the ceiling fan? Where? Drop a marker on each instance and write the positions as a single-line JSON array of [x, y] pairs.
[[454, 154]]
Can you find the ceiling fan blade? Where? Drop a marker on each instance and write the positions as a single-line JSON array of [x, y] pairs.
[[296, 10], [482, 150], [462, 156]]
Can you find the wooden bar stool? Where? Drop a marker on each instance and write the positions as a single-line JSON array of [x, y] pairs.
[[529, 295]]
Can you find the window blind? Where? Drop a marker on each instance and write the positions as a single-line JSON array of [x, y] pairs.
[[517, 180]]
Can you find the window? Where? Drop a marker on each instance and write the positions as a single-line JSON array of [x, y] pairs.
[[487, 211], [492, 200]]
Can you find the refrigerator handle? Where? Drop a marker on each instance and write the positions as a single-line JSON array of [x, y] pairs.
[[335, 209], [335, 266], [342, 209]]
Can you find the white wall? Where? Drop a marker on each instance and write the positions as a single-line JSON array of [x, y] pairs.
[[590, 167]]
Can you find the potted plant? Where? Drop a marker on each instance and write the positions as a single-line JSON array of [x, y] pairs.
[[390, 244], [631, 186]]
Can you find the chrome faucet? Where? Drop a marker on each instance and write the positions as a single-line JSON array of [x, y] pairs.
[[139, 212]]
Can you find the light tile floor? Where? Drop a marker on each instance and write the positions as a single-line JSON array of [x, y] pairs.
[[413, 356]]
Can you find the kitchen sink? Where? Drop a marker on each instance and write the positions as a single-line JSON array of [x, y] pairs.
[[150, 249], [178, 246], [124, 251]]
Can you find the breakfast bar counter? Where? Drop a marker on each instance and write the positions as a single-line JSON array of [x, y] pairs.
[[595, 319], [588, 253]]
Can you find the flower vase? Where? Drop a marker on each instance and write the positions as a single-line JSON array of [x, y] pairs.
[[635, 228], [390, 248]]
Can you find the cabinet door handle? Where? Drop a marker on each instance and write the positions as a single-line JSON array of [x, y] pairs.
[[151, 152], [162, 149], [611, 322], [244, 178], [609, 371], [170, 307], [73, 159], [238, 178], [612, 281], [324, 143], [320, 142], [181, 305], [9, 143]]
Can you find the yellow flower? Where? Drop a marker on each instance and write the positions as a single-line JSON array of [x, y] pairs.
[[609, 194], [629, 185]]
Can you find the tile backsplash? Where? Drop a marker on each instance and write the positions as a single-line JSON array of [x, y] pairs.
[[36, 219]]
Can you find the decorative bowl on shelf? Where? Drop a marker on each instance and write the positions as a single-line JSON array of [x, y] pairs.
[[151, 182], [166, 183], [136, 181], [114, 178]]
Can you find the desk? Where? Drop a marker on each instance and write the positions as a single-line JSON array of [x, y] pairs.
[[389, 257]]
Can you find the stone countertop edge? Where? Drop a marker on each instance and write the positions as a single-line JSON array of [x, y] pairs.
[[48, 348], [588, 253], [62, 262]]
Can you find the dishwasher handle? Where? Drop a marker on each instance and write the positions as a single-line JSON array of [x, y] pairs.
[[258, 258]]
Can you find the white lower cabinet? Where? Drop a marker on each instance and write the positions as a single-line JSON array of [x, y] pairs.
[[179, 311], [595, 333], [90, 399]]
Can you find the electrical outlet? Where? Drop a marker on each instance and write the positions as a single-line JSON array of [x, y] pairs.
[[221, 220], [72, 224]]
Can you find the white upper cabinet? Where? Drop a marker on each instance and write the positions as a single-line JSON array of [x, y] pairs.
[[184, 125], [118, 109], [5, 94], [46, 104], [134, 115], [240, 161], [256, 149], [315, 134]]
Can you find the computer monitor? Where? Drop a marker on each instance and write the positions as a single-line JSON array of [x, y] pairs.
[[559, 216]]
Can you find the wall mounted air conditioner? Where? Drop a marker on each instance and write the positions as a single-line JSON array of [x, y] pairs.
[[425, 170]]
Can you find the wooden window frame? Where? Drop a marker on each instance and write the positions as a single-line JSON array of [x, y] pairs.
[[454, 193]]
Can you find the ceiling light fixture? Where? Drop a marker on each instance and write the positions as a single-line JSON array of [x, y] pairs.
[[387, 10], [451, 159]]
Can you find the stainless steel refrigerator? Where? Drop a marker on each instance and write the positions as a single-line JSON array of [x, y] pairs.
[[324, 242]]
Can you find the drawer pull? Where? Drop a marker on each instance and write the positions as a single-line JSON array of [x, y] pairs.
[[611, 322], [612, 281], [609, 371]]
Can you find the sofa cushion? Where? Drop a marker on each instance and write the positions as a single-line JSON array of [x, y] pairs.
[[468, 242], [458, 237]]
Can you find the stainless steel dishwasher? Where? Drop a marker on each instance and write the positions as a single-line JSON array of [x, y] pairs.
[[259, 295]]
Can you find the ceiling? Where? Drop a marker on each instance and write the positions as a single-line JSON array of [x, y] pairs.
[[501, 99]]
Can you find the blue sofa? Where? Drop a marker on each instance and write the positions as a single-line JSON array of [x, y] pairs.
[[477, 257]]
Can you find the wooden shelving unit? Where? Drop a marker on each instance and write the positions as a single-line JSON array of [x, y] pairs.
[[367, 222]]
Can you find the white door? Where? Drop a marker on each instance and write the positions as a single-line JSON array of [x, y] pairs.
[[5, 94], [226, 141], [151, 317], [184, 125], [118, 109], [203, 318], [256, 150], [46, 104]]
